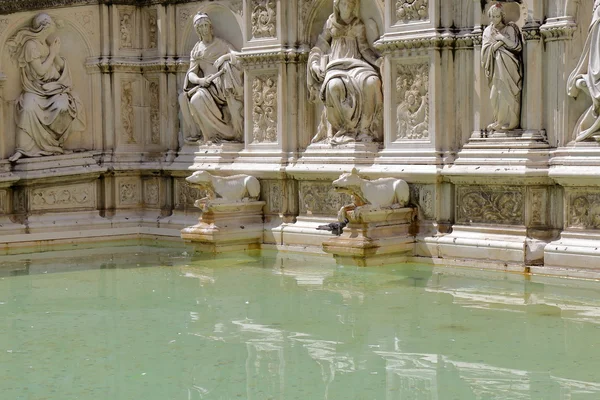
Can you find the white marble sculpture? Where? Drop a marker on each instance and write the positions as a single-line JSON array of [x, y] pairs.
[[501, 58], [235, 188], [586, 78], [212, 98], [343, 72], [47, 111], [378, 193]]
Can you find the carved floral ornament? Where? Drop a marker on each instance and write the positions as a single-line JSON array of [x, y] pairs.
[[412, 10], [480, 204], [263, 18], [264, 111]]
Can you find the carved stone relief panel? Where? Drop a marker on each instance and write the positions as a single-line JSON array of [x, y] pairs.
[[154, 112], [152, 26], [69, 197], [583, 209], [151, 192], [185, 195], [264, 109], [129, 192], [412, 10], [539, 206], [272, 192], [263, 19], [126, 27], [412, 99], [19, 201], [184, 15], [490, 205], [3, 25], [423, 197], [319, 198], [3, 202], [127, 112]]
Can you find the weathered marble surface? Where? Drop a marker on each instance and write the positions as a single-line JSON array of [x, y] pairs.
[[524, 196]]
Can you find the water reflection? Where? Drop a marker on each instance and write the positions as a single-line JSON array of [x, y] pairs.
[[271, 328]]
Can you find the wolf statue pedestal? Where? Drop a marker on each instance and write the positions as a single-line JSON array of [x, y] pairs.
[[379, 222], [232, 216]]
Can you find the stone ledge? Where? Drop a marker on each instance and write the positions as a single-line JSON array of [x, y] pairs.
[[13, 6]]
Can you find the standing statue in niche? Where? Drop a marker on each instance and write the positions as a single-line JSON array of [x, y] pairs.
[[212, 98], [47, 109], [501, 58], [343, 71], [586, 78]]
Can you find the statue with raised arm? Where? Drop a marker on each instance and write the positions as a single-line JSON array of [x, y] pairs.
[[212, 98], [343, 72], [501, 58], [586, 78], [47, 110]]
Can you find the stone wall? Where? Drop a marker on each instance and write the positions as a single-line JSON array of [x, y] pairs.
[[525, 200]]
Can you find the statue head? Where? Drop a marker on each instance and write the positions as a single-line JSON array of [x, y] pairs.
[[203, 26], [41, 22], [496, 14], [346, 10]]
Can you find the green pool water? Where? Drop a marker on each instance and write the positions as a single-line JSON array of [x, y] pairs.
[[149, 324]]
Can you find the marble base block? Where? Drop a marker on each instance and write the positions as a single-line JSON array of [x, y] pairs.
[[374, 237], [227, 227]]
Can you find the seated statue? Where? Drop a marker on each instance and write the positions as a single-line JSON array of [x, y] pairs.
[[586, 78], [212, 98], [343, 71], [47, 109]]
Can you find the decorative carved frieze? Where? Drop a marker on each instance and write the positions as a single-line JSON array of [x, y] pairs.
[[490, 205], [62, 198], [553, 32], [263, 19], [273, 58], [152, 16], [539, 206], [264, 109], [126, 28], [423, 197], [584, 209], [275, 196], [154, 113], [129, 192], [320, 198], [412, 91], [3, 25], [127, 111], [19, 201], [412, 10], [151, 192], [184, 15], [3, 202], [185, 195], [445, 40]]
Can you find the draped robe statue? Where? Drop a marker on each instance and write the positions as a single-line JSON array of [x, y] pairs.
[[47, 109], [343, 72], [212, 97], [501, 59], [586, 78]]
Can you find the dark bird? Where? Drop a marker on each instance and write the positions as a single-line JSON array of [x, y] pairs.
[[335, 227]]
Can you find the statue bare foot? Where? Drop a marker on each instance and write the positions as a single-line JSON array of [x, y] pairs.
[[15, 157]]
